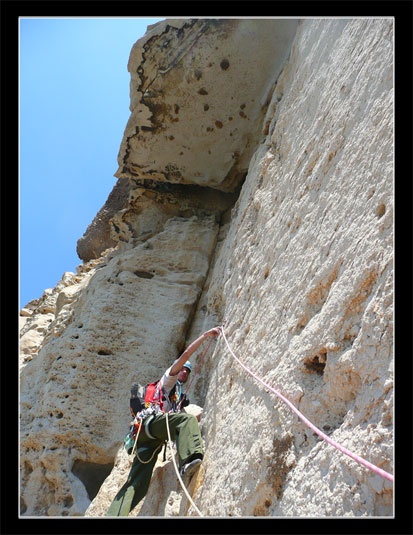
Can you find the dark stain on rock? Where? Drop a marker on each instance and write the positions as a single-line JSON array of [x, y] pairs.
[[277, 468], [381, 210], [202, 91], [172, 171], [97, 236]]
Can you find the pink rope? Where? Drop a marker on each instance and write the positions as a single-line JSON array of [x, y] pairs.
[[341, 448]]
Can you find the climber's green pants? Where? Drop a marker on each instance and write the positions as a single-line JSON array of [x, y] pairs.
[[184, 430]]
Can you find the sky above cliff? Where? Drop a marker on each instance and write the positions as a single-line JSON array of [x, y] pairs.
[[73, 109]]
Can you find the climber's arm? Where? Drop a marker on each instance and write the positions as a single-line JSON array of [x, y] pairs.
[[178, 365]]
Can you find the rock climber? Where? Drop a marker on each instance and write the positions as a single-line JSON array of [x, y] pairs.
[[183, 427]]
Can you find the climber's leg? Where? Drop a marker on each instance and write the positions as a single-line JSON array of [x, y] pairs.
[[184, 430], [137, 484]]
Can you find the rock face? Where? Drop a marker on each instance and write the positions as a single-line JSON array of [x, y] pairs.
[[295, 257], [197, 98]]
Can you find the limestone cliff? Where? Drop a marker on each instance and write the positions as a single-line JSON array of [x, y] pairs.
[[257, 169]]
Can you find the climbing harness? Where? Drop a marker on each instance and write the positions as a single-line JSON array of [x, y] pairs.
[[151, 396], [144, 406], [177, 471], [325, 437]]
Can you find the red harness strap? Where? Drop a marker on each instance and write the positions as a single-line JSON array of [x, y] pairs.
[[151, 393]]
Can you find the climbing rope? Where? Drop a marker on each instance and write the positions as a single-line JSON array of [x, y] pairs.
[[338, 446], [177, 471]]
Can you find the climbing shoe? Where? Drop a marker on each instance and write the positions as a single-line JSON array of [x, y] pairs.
[[188, 470]]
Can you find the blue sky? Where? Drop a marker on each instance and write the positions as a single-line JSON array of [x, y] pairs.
[[73, 109]]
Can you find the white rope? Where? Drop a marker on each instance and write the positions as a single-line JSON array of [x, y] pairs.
[[177, 471], [136, 438]]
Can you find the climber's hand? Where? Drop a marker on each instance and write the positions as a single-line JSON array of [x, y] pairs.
[[216, 331], [185, 401]]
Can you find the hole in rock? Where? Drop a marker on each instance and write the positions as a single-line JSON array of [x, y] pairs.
[[68, 501], [144, 274], [224, 64], [316, 364], [92, 475], [104, 352]]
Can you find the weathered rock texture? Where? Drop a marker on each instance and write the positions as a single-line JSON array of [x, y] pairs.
[[297, 261], [97, 237], [198, 90]]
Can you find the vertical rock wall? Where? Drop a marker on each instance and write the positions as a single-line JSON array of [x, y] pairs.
[[301, 270], [126, 324], [304, 278]]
